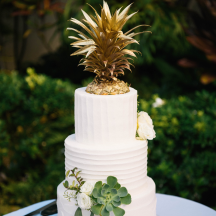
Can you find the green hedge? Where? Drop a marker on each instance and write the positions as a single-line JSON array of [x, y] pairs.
[[182, 158], [36, 115]]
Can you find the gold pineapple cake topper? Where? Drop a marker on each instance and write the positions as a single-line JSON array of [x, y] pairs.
[[104, 49]]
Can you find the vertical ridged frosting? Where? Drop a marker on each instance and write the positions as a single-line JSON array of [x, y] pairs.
[[105, 119]]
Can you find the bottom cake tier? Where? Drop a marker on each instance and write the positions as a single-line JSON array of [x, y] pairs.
[[143, 203]]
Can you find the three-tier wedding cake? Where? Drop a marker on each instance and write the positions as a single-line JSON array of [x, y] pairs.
[[110, 140], [104, 144]]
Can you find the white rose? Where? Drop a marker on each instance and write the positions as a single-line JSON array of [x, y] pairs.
[[87, 188], [158, 102], [145, 128], [84, 201]]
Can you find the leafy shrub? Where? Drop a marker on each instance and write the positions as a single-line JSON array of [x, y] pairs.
[[36, 115], [182, 158]]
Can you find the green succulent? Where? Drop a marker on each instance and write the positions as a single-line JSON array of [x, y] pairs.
[[109, 197]]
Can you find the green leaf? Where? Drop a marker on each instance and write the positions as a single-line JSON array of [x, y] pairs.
[[117, 186], [67, 173], [78, 173], [72, 175], [104, 212], [105, 189], [78, 212], [66, 184], [94, 200], [118, 211], [116, 198], [92, 214], [126, 200], [96, 209], [104, 192], [113, 192], [98, 185], [116, 204], [97, 193], [101, 200], [75, 168], [111, 181], [122, 192], [109, 207]]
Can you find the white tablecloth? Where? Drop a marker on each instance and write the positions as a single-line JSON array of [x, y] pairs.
[[166, 206]]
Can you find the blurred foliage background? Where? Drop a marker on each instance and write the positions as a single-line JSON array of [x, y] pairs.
[[178, 64]]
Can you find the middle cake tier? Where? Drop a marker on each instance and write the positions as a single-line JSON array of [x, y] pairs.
[[126, 162]]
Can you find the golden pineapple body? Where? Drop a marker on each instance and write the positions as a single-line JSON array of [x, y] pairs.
[[104, 49], [112, 87]]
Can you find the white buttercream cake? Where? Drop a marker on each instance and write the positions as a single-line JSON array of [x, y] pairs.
[[104, 144]]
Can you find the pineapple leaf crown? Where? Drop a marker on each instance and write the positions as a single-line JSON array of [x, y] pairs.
[[104, 49]]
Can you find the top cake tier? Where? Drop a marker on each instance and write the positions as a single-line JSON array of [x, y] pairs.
[[105, 119]]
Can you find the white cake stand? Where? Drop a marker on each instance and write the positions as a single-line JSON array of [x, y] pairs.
[[167, 205]]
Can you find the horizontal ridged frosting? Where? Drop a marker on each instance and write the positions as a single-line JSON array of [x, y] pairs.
[[126, 162], [143, 204], [105, 119]]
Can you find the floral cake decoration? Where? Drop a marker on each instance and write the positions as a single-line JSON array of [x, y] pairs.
[[98, 198], [145, 128]]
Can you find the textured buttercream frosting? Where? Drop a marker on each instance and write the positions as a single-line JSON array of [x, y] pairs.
[[143, 204], [128, 163], [105, 119], [104, 145]]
